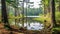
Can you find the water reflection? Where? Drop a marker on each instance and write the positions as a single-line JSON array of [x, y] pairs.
[[33, 26]]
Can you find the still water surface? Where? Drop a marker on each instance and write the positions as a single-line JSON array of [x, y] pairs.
[[33, 26]]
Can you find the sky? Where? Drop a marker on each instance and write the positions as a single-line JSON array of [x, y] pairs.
[[35, 0], [36, 3]]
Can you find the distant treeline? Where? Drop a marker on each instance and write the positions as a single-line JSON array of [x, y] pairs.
[[33, 11]]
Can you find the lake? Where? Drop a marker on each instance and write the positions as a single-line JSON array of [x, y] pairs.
[[32, 25]]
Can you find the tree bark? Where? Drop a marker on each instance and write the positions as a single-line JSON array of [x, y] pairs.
[[4, 12], [45, 11], [16, 12], [4, 15], [59, 5], [53, 13]]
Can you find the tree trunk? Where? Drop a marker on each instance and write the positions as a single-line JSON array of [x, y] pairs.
[[53, 13], [4, 15], [49, 6], [4, 12], [59, 5], [16, 12], [23, 14], [45, 11]]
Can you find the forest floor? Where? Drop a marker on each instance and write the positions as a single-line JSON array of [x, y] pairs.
[[5, 31]]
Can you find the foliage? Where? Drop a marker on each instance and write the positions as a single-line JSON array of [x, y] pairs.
[[12, 18], [40, 19], [56, 29], [48, 18], [12, 3], [58, 18], [33, 11]]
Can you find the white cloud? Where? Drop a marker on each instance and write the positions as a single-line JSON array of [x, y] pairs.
[[35, 0], [36, 3]]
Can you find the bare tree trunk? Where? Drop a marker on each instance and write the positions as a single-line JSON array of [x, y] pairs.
[[4, 12], [45, 12], [53, 13], [16, 12], [23, 14], [49, 6], [59, 5]]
